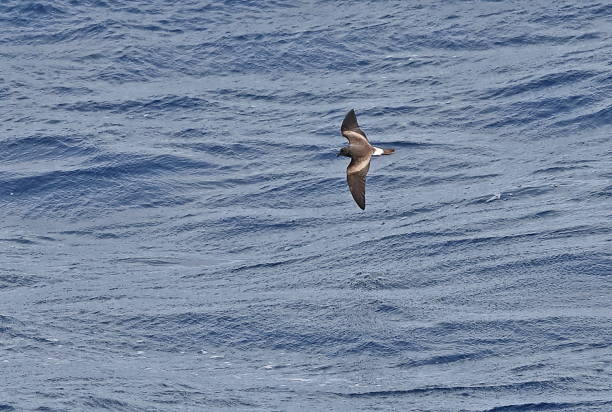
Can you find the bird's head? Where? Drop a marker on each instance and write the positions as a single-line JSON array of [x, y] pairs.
[[344, 152]]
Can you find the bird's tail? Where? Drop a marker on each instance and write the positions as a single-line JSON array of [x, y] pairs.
[[378, 151]]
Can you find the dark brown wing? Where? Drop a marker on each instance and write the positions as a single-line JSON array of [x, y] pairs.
[[356, 178], [350, 129]]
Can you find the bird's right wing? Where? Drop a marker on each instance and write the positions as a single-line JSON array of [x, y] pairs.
[[356, 178], [350, 129]]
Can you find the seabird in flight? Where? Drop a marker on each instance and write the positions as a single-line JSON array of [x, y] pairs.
[[360, 151]]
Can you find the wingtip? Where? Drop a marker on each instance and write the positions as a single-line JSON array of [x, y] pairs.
[[350, 121]]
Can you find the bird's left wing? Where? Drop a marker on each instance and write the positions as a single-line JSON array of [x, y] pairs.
[[356, 173]]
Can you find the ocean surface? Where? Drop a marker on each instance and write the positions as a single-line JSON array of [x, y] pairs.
[[176, 232]]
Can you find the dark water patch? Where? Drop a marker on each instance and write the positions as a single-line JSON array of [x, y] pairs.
[[590, 265], [105, 298], [274, 185], [566, 265], [106, 403], [430, 81], [164, 103], [316, 56], [89, 58], [87, 178], [435, 180], [154, 28], [444, 42], [606, 192], [453, 178], [150, 62], [533, 39], [108, 236], [444, 359], [46, 147], [542, 214], [526, 112], [13, 280], [267, 265], [524, 386], [71, 91], [186, 331], [391, 64], [147, 261], [440, 247], [366, 346], [115, 227], [530, 367], [5, 92], [9, 320], [29, 10], [575, 231], [386, 308], [262, 96], [168, 397], [116, 74], [371, 281], [559, 169], [546, 406], [19, 240], [393, 110], [546, 81], [193, 133], [420, 236], [542, 329], [494, 13], [302, 187], [602, 345], [594, 120], [247, 150], [104, 30], [601, 10]]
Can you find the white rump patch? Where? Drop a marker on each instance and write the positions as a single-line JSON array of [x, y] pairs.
[[377, 151]]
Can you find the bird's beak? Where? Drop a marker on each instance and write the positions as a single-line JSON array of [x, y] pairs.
[[338, 154]]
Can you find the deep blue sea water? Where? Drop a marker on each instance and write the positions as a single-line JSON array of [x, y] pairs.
[[176, 232]]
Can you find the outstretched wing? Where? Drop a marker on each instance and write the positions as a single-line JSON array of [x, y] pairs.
[[350, 129], [356, 178]]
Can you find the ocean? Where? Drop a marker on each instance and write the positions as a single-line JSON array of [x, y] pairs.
[[176, 231]]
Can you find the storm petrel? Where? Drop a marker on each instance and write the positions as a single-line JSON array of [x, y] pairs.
[[360, 151]]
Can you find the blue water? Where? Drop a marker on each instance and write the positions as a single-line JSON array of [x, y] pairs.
[[176, 232]]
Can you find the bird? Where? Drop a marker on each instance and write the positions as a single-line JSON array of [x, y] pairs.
[[360, 151]]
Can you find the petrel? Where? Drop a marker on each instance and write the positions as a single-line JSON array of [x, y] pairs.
[[360, 151]]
